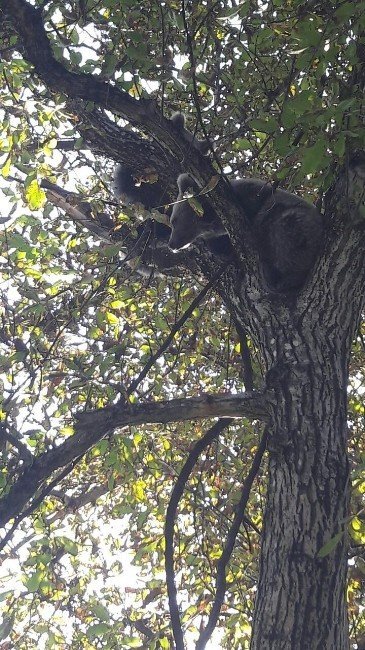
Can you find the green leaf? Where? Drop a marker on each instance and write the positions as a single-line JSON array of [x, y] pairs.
[[314, 157], [197, 207], [99, 629], [242, 144], [131, 642], [345, 11], [100, 611], [5, 594], [240, 10], [68, 545], [346, 104], [330, 545], [288, 117], [282, 144], [339, 147], [268, 125], [19, 243], [110, 250], [32, 583]]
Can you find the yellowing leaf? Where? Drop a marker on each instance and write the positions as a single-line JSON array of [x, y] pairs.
[[139, 490], [111, 318], [67, 431], [6, 168], [211, 185], [357, 530], [49, 146], [35, 196]]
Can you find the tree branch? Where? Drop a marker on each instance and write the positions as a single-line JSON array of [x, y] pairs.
[[108, 139], [92, 426], [142, 113], [176, 495], [151, 258], [231, 539], [37, 501], [78, 209]]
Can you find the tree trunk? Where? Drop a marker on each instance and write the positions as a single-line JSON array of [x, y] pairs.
[[300, 600], [305, 345]]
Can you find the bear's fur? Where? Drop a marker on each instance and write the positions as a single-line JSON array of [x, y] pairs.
[[286, 229]]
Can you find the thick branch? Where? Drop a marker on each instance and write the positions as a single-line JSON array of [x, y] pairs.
[[343, 250], [108, 139], [144, 114], [27, 21], [94, 425], [251, 405]]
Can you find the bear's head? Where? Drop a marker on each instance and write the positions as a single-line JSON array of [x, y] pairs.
[[191, 216]]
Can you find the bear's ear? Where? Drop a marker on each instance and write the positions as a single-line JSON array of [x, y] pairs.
[[185, 183]]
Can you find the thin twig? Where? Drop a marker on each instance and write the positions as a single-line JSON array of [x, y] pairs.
[[231, 538], [177, 492]]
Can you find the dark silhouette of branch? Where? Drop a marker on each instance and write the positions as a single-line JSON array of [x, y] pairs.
[[63, 144], [45, 492], [176, 495], [231, 539], [142, 628], [92, 426], [8, 436]]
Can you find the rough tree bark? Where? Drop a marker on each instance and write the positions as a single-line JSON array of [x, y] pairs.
[[305, 346], [301, 597]]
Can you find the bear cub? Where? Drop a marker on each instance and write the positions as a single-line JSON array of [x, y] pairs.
[[287, 229]]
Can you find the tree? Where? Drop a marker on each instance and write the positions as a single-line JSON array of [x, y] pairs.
[[89, 344]]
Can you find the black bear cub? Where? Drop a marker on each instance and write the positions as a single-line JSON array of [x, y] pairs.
[[286, 228]]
